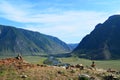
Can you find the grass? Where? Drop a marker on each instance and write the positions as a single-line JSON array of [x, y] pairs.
[[35, 59], [6, 71], [75, 60], [114, 64], [55, 73], [36, 73], [30, 59], [105, 64]]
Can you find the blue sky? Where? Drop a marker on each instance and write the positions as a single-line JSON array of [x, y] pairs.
[[69, 20]]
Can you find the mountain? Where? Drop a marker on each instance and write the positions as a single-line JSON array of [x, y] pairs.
[[103, 42], [73, 46], [15, 40]]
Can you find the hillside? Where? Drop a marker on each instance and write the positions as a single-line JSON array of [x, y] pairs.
[[19, 69], [103, 42], [73, 46], [14, 40]]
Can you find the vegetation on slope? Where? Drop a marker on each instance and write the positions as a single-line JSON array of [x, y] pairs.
[[14, 40], [103, 42]]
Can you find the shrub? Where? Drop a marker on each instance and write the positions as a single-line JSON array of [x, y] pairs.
[[83, 78]]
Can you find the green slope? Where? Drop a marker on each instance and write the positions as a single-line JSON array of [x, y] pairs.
[[14, 41]]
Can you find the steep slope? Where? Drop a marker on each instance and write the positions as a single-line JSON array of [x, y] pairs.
[[14, 41], [48, 43], [103, 42]]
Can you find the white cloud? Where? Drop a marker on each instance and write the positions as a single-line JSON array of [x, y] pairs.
[[70, 26]]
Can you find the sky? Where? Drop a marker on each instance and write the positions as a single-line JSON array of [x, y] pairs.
[[69, 20]]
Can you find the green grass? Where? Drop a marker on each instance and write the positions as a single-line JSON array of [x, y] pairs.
[[3, 57], [105, 64], [30, 59], [35, 59], [75, 60], [114, 64]]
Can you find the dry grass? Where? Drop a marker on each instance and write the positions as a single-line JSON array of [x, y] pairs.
[[29, 71], [38, 73], [48, 73]]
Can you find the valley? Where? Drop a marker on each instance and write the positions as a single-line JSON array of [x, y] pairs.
[[59, 39], [105, 64]]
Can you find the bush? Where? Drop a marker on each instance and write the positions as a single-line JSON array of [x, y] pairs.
[[83, 78]]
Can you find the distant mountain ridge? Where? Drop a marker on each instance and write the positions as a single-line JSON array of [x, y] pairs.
[[103, 42], [72, 46], [15, 40]]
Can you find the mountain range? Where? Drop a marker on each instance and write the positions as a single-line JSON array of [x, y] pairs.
[[103, 42], [15, 41]]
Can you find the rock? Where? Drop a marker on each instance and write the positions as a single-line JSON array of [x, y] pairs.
[[84, 77], [110, 77], [23, 76]]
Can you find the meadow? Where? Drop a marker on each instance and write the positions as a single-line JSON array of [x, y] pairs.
[[105, 64], [10, 72]]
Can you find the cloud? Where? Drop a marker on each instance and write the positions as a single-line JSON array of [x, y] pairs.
[[68, 25]]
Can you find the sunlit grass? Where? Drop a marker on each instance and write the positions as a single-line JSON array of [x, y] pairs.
[[35, 59], [54, 73], [114, 64], [105, 64]]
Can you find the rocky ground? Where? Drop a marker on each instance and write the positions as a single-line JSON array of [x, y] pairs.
[[18, 69]]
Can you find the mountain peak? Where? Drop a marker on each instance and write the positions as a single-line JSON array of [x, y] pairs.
[[114, 17], [103, 42], [113, 20]]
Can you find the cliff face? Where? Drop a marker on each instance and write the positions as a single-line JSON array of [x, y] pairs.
[[103, 42]]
